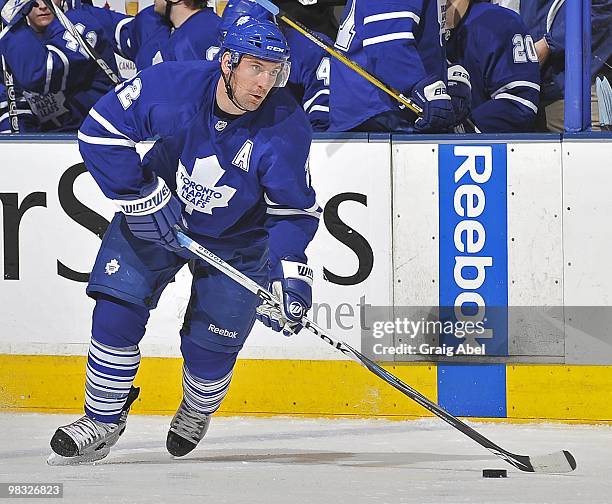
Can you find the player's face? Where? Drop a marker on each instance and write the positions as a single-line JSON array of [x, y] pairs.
[[252, 80], [40, 16]]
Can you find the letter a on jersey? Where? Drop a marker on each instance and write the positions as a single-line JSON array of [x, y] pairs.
[[199, 190], [243, 158]]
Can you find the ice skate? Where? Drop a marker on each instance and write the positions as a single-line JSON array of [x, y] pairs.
[[87, 440], [187, 428]]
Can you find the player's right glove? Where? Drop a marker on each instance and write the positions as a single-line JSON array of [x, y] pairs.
[[14, 11], [153, 214], [430, 94], [460, 91], [292, 285]]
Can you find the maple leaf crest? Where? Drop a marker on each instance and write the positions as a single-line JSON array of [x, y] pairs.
[[199, 191]]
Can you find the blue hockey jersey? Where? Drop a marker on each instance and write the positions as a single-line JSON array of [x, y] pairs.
[[493, 45], [142, 37], [310, 76], [60, 81], [238, 180], [398, 41], [148, 40]]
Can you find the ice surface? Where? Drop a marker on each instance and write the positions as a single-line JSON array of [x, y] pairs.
[[288, 460]]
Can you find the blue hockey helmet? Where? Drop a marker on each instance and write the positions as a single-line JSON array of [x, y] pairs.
[[258, 38], [238, 8]]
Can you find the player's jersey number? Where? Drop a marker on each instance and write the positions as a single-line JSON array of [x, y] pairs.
[[524, 49], [323, 71], [130, 93]]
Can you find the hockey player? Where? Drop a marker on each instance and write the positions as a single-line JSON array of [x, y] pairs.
[[310, 66], [230, 168], [171, 30], [60, 81], [493, 45], [401, 43], [545, 20]]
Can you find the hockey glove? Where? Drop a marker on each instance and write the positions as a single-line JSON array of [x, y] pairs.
[[460, 91], [14, 11], [292, 284], [430, 94], [153, 214]]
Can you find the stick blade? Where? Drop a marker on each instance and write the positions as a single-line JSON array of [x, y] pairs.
[[269, 6], [553, 463]]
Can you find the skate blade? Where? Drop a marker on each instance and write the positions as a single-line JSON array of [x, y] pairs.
[[57, 460]]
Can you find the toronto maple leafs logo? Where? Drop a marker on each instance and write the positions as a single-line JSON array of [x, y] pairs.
[[112, 266], [199, 190]]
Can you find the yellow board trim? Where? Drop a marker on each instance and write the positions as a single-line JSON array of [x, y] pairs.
[[259, 387], [580, 393], [54, 384]]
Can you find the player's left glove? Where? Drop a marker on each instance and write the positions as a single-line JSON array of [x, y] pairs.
[[153, 214], [292, 284], [430, 94], [13, 11], [460, 91]]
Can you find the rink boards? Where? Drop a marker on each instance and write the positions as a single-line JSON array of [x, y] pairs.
[[516, 226]]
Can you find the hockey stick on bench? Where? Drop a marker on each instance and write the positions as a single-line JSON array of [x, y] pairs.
[[66, 23], [558, 462], [274, 10]]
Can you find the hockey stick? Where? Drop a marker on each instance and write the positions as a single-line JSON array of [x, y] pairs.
[[11, 99], [274, 10], [558, 462], [66, 23]]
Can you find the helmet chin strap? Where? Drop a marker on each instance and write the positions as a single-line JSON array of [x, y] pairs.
[[229, 91]]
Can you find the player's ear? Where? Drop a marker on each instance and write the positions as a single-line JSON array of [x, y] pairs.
[[225, 63]]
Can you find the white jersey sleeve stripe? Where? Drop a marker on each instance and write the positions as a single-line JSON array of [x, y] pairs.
[[118, 29], [66, 64], [269, 202], [107, 125], [319, 93], [522, 101], [388, 37], [318, 108], [314, 208], [292, 211], [391, 15], [515, 84], [5, 31], [49, 73], [17, 112], [104, 141]]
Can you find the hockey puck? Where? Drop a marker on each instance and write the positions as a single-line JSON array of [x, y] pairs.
[[494, 473]]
